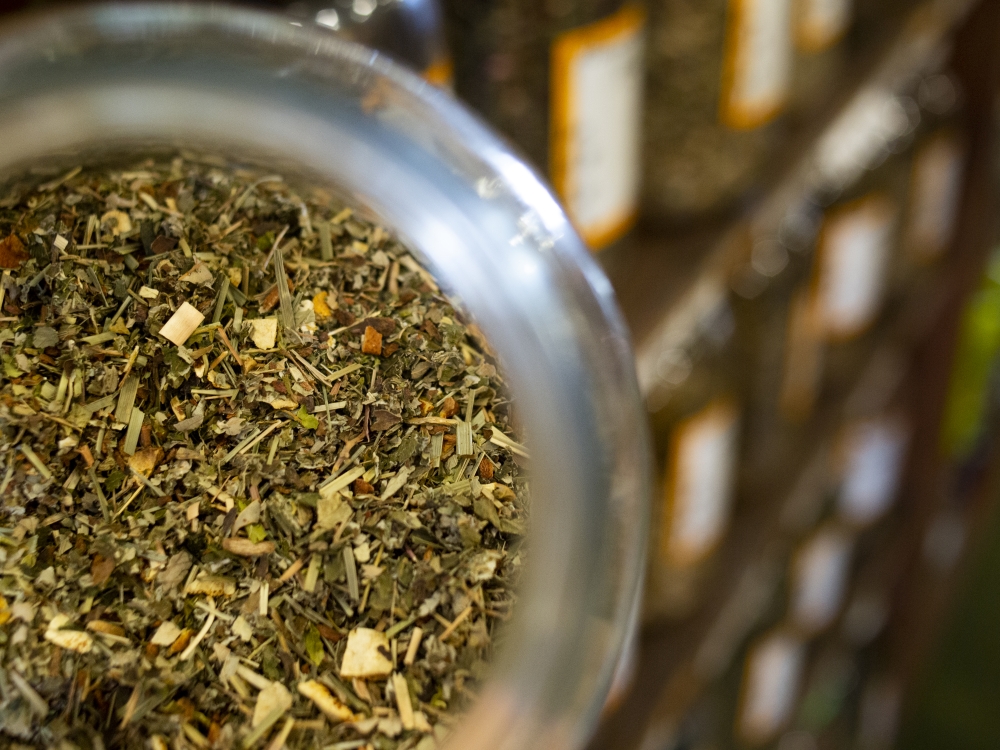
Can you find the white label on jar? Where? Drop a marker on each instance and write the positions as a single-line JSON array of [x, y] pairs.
[[874, 452], [597, 77], [934, 194], [820, 578], [820, 23], [758, 62], [770, 686], [853, 257], [699, 485]]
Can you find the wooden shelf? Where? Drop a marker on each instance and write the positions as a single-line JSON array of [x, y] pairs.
[[679, 659], [671, 281]]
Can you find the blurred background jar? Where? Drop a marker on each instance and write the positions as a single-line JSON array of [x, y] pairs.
[[719, 74], [563, 80], [695, 414]]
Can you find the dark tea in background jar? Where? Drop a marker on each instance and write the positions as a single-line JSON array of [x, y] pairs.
[[718, 76], [410, 32]]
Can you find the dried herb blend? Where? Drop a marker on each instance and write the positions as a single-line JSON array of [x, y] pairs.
[[259, 485]]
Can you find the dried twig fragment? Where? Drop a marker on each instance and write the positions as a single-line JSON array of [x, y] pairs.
[[371, 342], [264, 332], [166, 634], [273, 697], [118, 221], [366, 655], [182, 324], [325, 702], [210, 585], [71, 640], [245, 548], [403, 700]]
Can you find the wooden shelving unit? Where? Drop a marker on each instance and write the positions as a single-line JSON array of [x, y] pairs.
[[668, 279], [671, 281]]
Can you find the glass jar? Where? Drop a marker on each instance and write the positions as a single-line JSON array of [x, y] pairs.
[[563, 80], [84, 85]]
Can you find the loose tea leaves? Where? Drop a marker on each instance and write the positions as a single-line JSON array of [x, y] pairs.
[[260, 485]]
